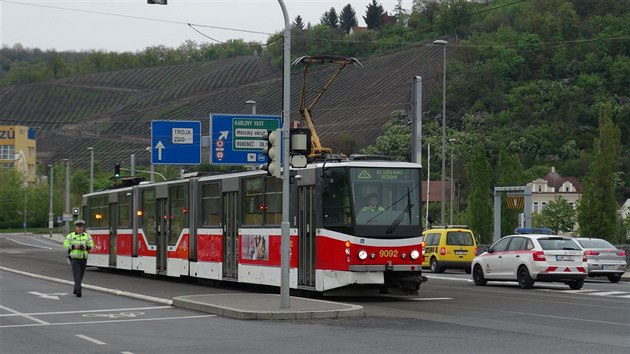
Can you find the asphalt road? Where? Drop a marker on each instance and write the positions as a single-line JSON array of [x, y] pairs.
[[451, 315]]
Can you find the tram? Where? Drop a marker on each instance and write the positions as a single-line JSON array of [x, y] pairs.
[[227, 227]]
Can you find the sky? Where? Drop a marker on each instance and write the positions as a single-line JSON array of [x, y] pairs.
[[133, 25]]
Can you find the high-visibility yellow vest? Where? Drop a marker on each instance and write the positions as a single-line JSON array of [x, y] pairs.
[[73, 242]]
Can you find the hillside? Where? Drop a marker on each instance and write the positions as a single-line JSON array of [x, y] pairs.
[[112, 111]]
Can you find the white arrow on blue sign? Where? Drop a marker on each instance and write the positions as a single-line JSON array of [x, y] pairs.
[[175, 142]]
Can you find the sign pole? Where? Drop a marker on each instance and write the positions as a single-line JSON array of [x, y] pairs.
[[286, 103]]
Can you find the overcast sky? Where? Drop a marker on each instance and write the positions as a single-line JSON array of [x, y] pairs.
[[133, 25]]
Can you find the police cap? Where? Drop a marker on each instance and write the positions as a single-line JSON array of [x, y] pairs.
[[79, 223]]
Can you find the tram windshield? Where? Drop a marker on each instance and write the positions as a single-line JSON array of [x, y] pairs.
[[373, 196]]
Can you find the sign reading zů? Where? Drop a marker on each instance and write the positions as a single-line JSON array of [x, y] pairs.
[[238, 139]]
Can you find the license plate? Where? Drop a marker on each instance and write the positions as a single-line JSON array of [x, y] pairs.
[[461, 252], [610, 267], [565, 258]]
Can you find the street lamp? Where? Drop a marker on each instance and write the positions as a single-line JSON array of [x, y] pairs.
[[253, 104], [67, 207], [50, 211], [452, 153], [443, 43], [91, 169]]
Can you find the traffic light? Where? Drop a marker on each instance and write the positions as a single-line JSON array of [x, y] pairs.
[[273, 152], [117, 170], [75, 211]]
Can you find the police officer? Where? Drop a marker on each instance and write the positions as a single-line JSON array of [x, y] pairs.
[[78, 243]]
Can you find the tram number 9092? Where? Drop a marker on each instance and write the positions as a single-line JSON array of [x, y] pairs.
[[387, 253]]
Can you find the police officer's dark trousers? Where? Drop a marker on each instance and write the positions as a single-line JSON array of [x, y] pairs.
[[78, 269]]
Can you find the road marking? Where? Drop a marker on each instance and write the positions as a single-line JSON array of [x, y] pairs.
[[24, 315], [52, 296], [90, 339], [26, 244], [114, 315], [83, 311], [107, 321], [431, 298], [608, 293]]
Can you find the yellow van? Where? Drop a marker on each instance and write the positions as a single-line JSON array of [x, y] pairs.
[[448, 247]]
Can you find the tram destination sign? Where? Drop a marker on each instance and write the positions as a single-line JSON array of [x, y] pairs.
[[175, 142], [237, 139]]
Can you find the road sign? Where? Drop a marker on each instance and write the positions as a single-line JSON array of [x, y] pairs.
[[175, 142], [237, 139]]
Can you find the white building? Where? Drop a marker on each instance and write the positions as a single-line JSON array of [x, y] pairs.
[[547, 188]]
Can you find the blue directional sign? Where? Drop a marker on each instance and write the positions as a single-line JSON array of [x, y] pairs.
[[175, 142], [237, 139]]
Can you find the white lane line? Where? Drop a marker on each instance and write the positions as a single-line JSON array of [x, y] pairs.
[[26, 244], [107, 321], [126, 352], [90, 339], [47, 241], [607, 293], [563, 318], [17, 313], [624, 296], [581, 291], [86, 311]]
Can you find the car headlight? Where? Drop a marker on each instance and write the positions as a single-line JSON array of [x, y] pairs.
[[362, 255], [415, 254]]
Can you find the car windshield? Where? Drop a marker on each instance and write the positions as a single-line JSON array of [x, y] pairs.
[[557, 244], [595, 243]]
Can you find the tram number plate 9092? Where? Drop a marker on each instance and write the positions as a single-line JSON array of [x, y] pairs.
[[388, 253]]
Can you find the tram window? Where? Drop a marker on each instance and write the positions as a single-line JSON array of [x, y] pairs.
[[253, 201], [178, 213], [148, 215], [211, 204], [336, 197], [273, 201], [124, 211], [98, 210]]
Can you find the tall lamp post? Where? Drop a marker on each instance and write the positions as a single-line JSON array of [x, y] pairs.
[[452, 159], [50, 211], [67, 207], [443, 43], [253, 104], [91, 169]]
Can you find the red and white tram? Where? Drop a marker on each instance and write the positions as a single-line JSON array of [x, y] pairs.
[[227, 227]]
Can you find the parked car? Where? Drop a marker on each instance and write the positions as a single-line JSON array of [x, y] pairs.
[[529, 258], [448, 247], [603, 258]]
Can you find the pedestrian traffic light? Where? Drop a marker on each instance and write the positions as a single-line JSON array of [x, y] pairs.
[[75, 211], [117, 170], [273, 152]]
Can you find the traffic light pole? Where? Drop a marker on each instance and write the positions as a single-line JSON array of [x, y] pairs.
[[286, 121]]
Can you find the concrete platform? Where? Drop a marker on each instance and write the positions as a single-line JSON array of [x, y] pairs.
[[267, 307]]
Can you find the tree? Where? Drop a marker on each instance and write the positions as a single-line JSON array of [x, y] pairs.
[[330, 19], [558, 215], [510, 173], [401, 14], [374, 15], [347, 18], [396, 139], [597, 210], [479, 201], [428, 8], [298, 23]]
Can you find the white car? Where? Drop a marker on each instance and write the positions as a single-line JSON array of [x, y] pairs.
[[531, 258]]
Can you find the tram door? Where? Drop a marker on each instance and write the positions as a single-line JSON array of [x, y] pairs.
[[162, 231], [306, 237], [230, 235], [113, 223]]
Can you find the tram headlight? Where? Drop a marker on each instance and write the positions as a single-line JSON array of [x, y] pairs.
[[415, 254], [363, 255]]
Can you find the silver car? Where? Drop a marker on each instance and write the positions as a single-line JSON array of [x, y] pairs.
[[603, 258]]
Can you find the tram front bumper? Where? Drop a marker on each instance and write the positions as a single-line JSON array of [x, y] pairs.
[[384, 267]]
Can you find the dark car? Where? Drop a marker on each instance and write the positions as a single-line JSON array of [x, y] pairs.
[[603, 258]]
